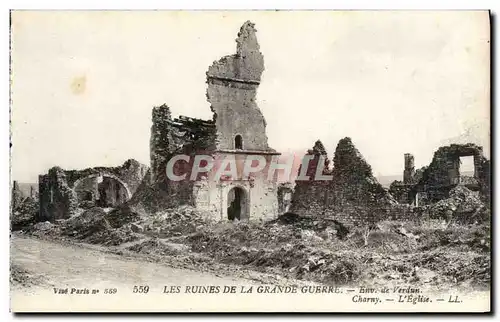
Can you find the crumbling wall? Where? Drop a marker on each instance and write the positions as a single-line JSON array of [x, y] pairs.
[[130, 174], [170, 137], [183, 135], [24, 207], [357, 196], [57, 199], [88, 189], [312, 195], [59, 190], [16, 196], [443, 173], [232, 88], [353, 196], [161, 145], [400, 191]]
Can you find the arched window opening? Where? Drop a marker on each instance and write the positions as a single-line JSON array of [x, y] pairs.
[[238, 142]]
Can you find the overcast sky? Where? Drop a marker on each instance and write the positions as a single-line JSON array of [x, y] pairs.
[[84, 83]]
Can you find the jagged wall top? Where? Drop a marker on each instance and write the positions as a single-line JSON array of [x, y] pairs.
[[247, 64]]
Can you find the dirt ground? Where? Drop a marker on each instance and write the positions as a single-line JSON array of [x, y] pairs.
[[38, 266], [61, 265]]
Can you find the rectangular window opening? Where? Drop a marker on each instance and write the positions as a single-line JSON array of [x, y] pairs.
[[467, 166]]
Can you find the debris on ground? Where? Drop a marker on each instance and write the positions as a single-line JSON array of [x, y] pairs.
[[463, 205], [318, 249], [46, 225], [173, 222], [313, 223], [136, 228], [123, 215], [156, 246], [87, 223], [92, 226]]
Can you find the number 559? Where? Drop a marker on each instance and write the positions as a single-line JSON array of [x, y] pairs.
[[141, 289]]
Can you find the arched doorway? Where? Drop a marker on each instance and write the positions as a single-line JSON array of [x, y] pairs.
[[237, 204], [101, 190]]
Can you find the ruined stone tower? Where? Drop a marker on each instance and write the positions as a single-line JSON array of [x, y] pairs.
[[232, 88], [236, 131], [409, 170], [240, 132]]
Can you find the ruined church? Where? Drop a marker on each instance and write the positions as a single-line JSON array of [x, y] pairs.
[[237, 130]]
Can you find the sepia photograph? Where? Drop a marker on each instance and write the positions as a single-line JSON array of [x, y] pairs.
[[250, 161]]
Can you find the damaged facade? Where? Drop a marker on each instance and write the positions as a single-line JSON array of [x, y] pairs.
[[237, 130], [62, 192], [434, 183]]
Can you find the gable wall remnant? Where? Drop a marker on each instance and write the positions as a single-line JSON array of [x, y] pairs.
[[352, 196]]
